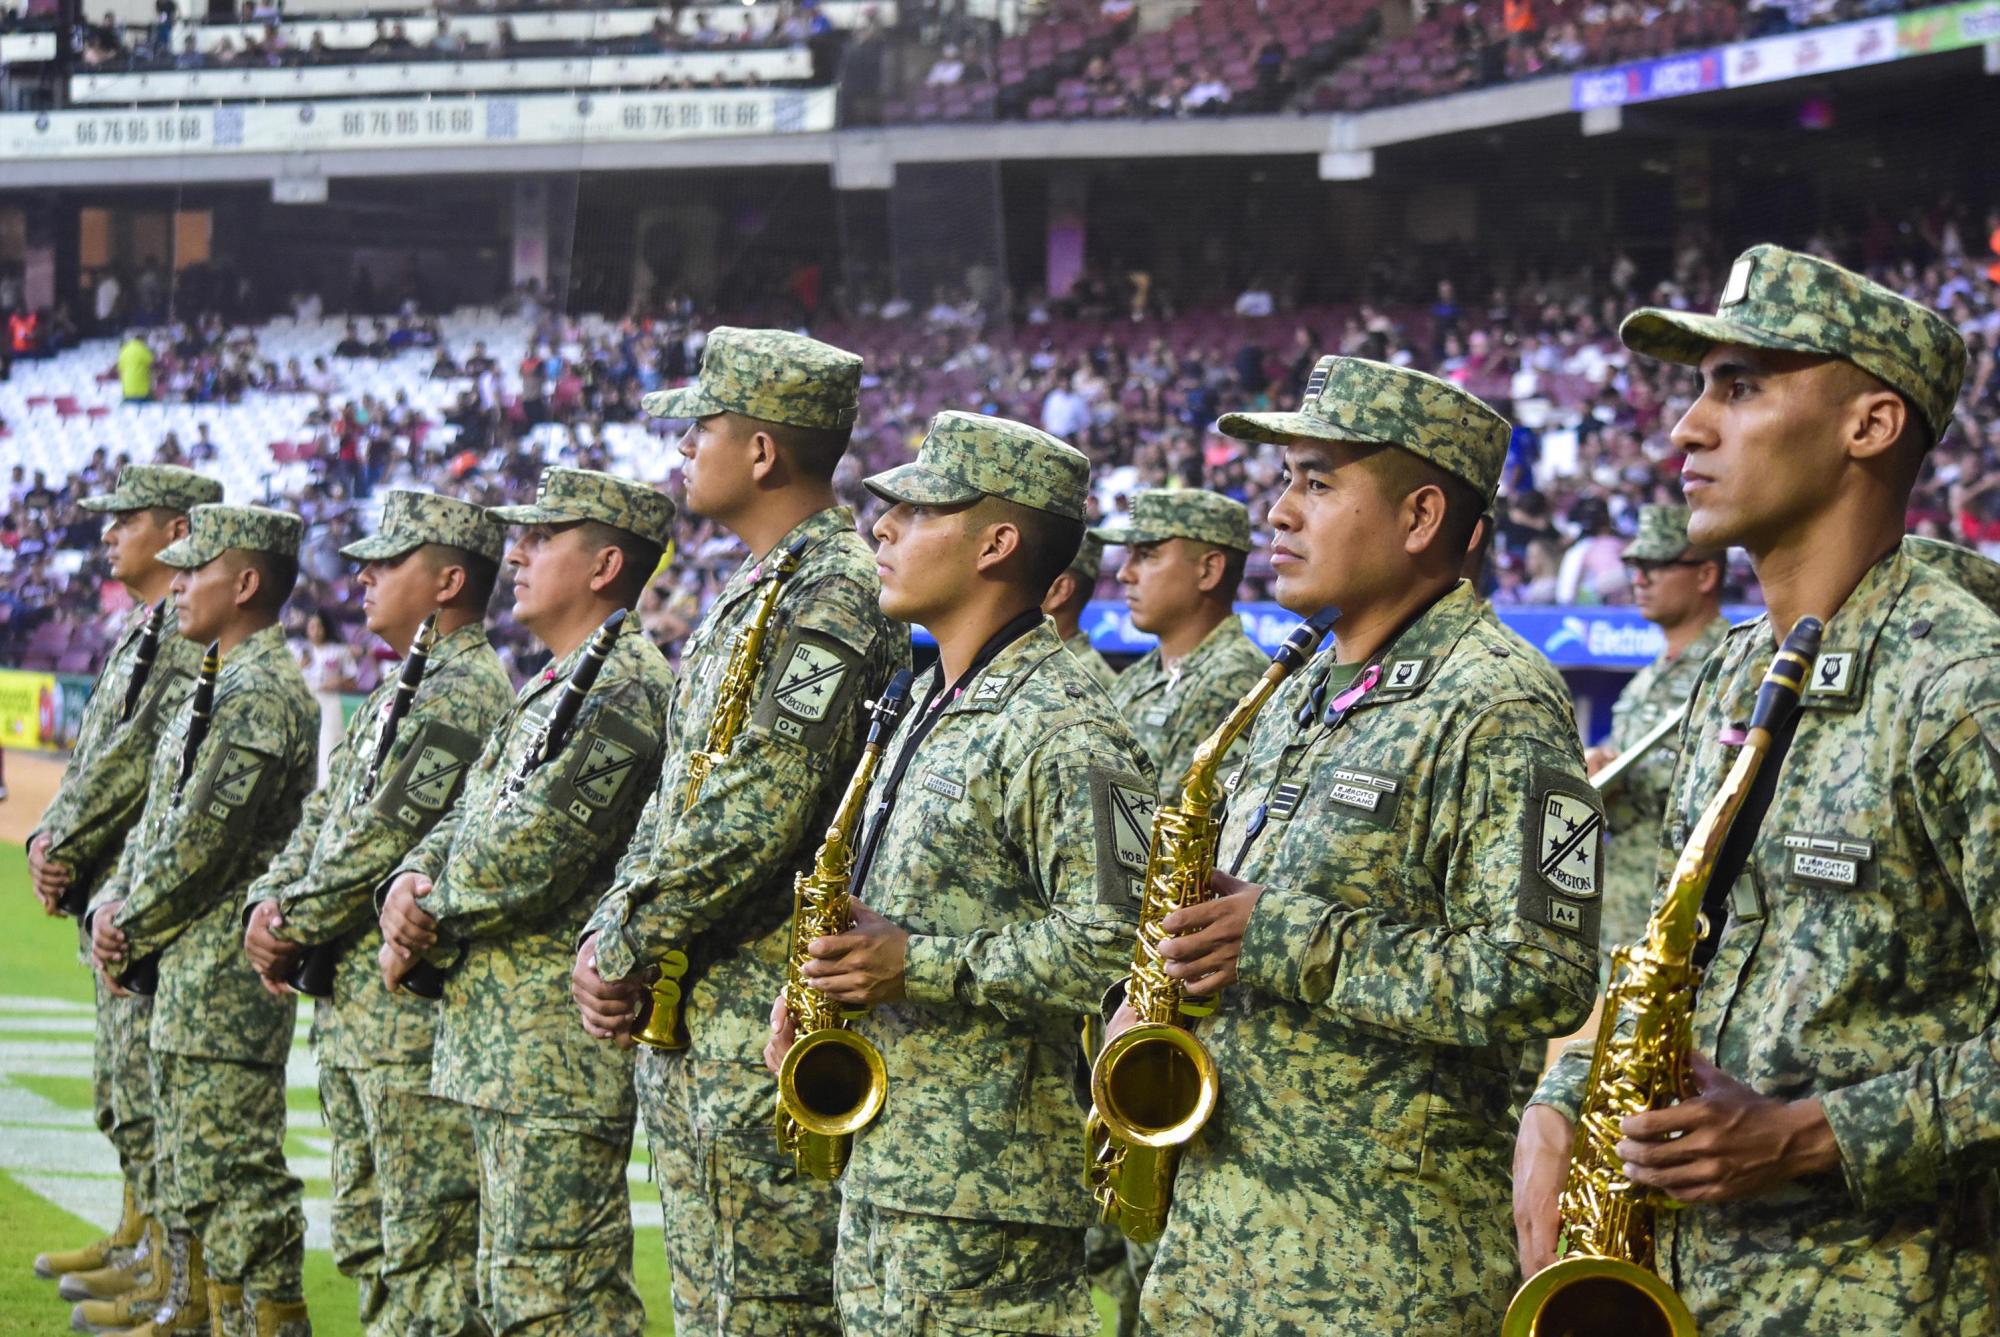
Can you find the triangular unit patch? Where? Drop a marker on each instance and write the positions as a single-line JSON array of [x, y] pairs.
[[1567, 851], [432, 778], [606, 767], [1132, 825], [810, 682], [236, 776]]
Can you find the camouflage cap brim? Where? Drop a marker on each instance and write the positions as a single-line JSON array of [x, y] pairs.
[[914, 485], [1653, 550], [682, 402], [380, 548], [189, 554], [1282, 429], [534, 513], [112, 502], [1124, 536], [1685, 337]]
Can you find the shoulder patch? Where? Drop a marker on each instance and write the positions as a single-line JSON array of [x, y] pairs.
[[234, 775], [1562, 871], [597, 776], [1122, 808], [809, 689], [426, 780]]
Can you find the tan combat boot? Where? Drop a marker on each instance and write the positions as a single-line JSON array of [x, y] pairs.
[[136, 1305], [131, 1227], [227, 1316], [130, 1270], [184, 1312], [282, 1318]]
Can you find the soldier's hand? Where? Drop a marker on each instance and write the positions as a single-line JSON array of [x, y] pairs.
[[271, 956], [862, 966], [406, 926], [1207, 939], [1727, 1143], [394, 965], [1124, 1019], [783, 1035], [46, 877], [612, 1009], [1597, 758], [107, 940], [1541, 1163]]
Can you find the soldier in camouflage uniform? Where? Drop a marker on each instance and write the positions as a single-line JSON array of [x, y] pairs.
[[496, 896], [1679, 588], [405, 1186], [1065, 603], [77, 843], [1839, 1155], [998, 875], [1184, 557], [1413, 859], [219, 1040], [750, 1241]]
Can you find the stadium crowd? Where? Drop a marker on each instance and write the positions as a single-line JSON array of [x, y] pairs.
[[1111, 369]]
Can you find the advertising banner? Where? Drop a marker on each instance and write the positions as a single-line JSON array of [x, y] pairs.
[[1947, 28], [1647, 81], [1845, 46], [30, 710]]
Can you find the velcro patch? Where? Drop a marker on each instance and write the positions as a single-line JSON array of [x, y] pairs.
[[424, 782], [602, 764], [1122, 808], [992, 687], [1562, 869], [1830, 861], [1402, 675], [1369, 793], [939, 784], [1284, 800], [811, 690], [231, 780], [1832, 675]]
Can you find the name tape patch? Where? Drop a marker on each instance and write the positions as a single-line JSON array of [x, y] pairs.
[[938, 784], [1832, 861]]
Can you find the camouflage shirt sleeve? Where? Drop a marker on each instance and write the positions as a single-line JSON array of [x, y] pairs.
[[1906, 1135], [1481, 972], [482, 890], [1064, 961], [295, 858], [427, 856], [236, 779]]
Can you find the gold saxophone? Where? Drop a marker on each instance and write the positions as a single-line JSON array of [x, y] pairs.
[[831, 1083], [1154, 1085], [664, 1028], [1605, 1283]]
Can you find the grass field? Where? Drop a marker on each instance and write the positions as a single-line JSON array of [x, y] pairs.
[[59, 1184]]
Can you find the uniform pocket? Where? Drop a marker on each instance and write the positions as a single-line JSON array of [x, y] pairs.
[[1054, 1307], [778, 1225]]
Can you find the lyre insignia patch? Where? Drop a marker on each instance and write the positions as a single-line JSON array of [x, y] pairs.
[[810, 682]]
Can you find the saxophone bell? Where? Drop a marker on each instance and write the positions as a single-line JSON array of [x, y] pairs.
[[663, 1012], [831, 1086]]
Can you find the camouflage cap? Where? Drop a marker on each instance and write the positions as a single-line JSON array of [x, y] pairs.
[[1373, 403], [141, 486], [1797, 303], [412, 519], [567, 495], [1089, 558], [966, 456], [1662, 536], [1183, 513], [774, 375], [214, 529]]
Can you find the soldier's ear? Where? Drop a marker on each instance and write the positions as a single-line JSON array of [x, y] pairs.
[[1209, 570], [248, 580], [995, 544]]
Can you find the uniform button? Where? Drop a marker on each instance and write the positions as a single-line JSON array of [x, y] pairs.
[[1500, 652], [1920, 628]]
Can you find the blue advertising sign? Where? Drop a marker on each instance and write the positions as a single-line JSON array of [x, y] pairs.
[[1647, 80]]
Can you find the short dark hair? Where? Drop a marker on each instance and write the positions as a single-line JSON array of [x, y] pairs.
[[481, 573], [1400, 472], [277, 576], [817, 451], [642, 557], [1049, 542]]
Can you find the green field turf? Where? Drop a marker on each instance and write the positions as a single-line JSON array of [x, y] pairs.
[[38, 961]]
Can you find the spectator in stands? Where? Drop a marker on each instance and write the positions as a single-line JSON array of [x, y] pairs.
[[947, 70], [503, 41], [135, 368], [1208, 95], [1256, 299], [446, 41], [329, 665], [351, 345], [1593, 570]]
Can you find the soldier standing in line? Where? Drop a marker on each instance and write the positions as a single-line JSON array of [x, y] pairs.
[[1184, 557], [219, 1040], [1679, 589], [1407, 898], [77, 844], [405, 1185], [750, 1241], [496, 896], [1837, 1157], [998, 880], [1065, 603]]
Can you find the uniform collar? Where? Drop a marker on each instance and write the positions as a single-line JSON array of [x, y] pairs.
[[814, 529], [1411, 662], [256, 648], [1839, 678], [559, 672], [1001, 676], [455, 643]]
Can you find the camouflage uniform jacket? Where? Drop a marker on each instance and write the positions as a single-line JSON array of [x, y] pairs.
[[1860, 962], [1635, 807], [1170, 714], [325, 878], [1094, 663], [515, 878], [190, 859], [717, 878], [104, 785], [1430, 866], [1012, 854]]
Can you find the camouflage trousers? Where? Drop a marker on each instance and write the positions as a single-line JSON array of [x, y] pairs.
[[121, 1089], [555, 1226], [405, 1200], [1118, 1267], [221, 1150], [749, 1239], [912, 1275]]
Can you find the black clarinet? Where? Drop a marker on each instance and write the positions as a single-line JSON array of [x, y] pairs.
[[142, 660], [426, 980], [312, 975], [143, 976]]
